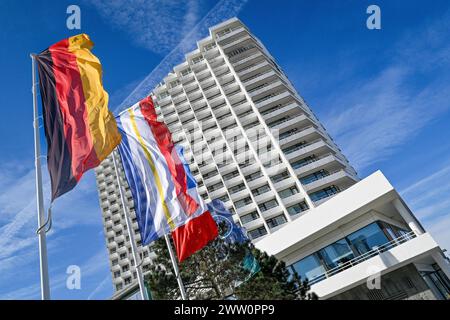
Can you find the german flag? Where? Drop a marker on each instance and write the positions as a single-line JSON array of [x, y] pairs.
[[79, 128]]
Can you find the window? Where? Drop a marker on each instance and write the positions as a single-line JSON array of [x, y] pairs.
[[294, 148], [237, 188], [186, 72], [367, 238], [287, 133], [116, 274], [125, 268], [215, 187], [314, 177], [309, 267], [324, 193], [254, 234], [261, 190], [303, 162], [115, 262], [336, 254], [288, 192], [279, 121], [279, 177], [249, 217], [276, 221], [243, 202], [119, 286], [224, 198], [268, 205], [340, 252], [210, 174], [297, 208], [253, 176], [231, 175], [127, 280]]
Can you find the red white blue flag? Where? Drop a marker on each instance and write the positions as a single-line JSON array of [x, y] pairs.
[[165, 195]]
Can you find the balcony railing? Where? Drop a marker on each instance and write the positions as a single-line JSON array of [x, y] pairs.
[[366, 256]]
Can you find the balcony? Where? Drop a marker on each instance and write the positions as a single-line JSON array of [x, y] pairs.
[[395, 254], [366, 256], [266, 88], [337, 177], [307, 149], [258, 222], [290, 121], [229, 33], [244, 61], [272, 99], [246, 209], [264, 196], [319, 163], [252, 70], [309, 133], [235, 42]]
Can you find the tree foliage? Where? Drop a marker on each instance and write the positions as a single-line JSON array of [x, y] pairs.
[[217, 272]]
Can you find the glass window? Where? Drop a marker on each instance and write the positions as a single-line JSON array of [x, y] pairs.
[[309, 268], [268, 205], [324, 193], [281, 176], [257, 232], [276, 221], [367, 238], [297, 208], [288, 192], [249, 217], [263, 189], [314, 177], [337, 254]]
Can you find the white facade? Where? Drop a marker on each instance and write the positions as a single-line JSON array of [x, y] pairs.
[[370, 201], [253, 142]]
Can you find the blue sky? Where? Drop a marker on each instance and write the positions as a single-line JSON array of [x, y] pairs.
[[384, 96]]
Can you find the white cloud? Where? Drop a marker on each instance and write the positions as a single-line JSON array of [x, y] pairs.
[[223, 10], [91, 268], [428, 199], [101, 286], [18, 213], [157, 25], [376, 117]]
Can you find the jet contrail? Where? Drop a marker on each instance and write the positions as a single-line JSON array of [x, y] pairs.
[[223, 10]]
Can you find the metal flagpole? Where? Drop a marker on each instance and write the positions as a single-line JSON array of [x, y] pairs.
[[45, 285], [131, 234], [175, 268]]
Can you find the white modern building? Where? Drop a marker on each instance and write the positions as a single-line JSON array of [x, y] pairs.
[[253, 142]]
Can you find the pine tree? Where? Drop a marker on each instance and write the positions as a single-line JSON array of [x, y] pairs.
[[217, 272]]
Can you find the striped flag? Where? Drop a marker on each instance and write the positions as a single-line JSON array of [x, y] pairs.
[[80, 130], [165, 195]]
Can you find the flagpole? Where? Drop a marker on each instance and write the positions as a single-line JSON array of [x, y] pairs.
[[175, 268], [131, 234], [45, 285]]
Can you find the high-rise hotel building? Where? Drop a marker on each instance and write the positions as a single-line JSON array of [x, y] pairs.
[[252, 142]]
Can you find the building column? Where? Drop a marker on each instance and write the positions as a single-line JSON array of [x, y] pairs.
[[442, 263], [407, 216]]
